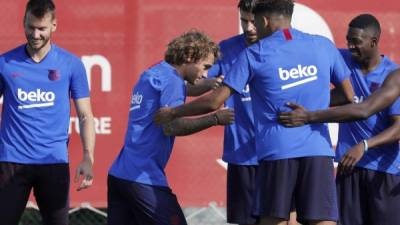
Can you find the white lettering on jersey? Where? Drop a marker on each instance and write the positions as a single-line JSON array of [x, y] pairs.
[[246, 90], [303, 74], [136, 101], [358, 99], [37, 98]]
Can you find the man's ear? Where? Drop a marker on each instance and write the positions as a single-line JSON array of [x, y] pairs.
[[54, 25], [374, 41], [266, 21]]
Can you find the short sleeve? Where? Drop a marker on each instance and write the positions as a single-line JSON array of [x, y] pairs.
[[239, 74], [79, 86], [171, 87], [339, 69], [215, 70]]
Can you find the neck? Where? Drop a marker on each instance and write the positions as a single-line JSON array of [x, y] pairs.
[[179, 69], [38, 55], [370, 63]]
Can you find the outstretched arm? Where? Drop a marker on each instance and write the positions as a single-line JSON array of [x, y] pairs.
[[379, 100], [186, 126], [204, 85], [202, 105]]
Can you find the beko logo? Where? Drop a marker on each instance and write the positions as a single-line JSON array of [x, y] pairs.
[[136, 101], [303, 74], [36, 98]]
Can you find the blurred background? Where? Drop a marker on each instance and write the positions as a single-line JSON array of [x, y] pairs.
[[118, 39]]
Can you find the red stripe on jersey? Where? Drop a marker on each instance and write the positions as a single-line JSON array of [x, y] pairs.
[[288, 35]]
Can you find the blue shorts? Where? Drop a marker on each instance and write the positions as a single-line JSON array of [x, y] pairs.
[[368, 197], [131, 203], [241, 190], [306, 182]]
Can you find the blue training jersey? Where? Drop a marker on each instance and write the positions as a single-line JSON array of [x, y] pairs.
[[36, 107], [385, 158], [289, 66], [146, 149], [239, 143]]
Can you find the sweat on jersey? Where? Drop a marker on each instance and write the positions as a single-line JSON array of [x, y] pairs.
[[385, 158], [288, 66], [36, 107], [146, 149], [239, 143]]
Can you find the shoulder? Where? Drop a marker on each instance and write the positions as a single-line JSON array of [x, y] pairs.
[[64, 54], [389, 64], [13, 53], [231, 41], [346, 54], [160, 75]]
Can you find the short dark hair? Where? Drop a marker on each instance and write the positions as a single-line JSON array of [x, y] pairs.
[[366, 21], [194, 45], [247, 5], [284, 7], [39, 8]]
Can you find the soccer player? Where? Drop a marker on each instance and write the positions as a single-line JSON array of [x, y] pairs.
[[138, 191], [37, 80], [239, 144], [285, 64], [368, 150]]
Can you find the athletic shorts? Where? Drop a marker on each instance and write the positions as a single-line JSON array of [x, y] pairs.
[[132, 203], [368, 197], [308, 182], [50, 184], [241, 190]]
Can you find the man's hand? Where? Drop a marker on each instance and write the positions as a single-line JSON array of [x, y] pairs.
[[351, 158], [85, 169], [215, 83], [225, 116], [163, 116], [296, 118]]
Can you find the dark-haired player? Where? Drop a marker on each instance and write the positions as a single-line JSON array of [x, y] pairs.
[[239, 143], [285, 65], [37, 80], [368, 150]]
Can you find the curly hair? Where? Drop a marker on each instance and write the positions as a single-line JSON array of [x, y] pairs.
[[284, 7], [193, 45]]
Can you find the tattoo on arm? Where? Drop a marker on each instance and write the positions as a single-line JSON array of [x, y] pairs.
[[187, 126]]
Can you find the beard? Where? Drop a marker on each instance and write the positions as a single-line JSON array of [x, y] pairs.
[[38, 44]]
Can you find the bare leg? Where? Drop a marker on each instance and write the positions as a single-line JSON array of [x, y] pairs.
[[293, 217]]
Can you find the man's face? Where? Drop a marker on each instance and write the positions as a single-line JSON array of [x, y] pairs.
[[38, 30], [361, 43], [192, 72], [248, 26]]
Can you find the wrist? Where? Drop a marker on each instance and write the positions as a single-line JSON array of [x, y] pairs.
[[216, 119], [309, 117], [365, 144], [88, 156], [173, 113]]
